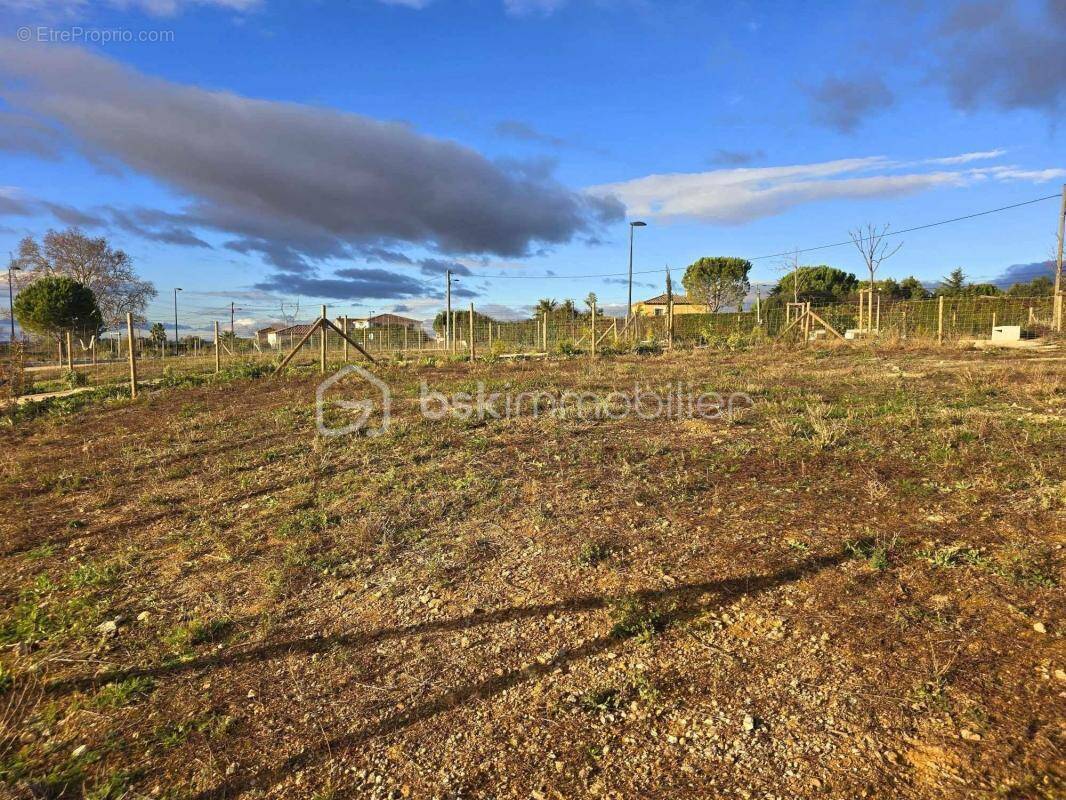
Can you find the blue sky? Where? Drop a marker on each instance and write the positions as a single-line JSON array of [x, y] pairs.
[[360, 148]]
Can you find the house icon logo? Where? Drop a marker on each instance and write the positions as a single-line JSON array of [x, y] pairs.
[[379, 396]]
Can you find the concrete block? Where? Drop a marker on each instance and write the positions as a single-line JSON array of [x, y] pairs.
[[1006, 333]]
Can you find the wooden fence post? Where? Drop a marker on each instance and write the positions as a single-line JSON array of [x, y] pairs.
[[877, 322], [545, 332], [472, 354], [344, 321], [133, 357], [70, 350], [670, 323], [218, 351], [993, 320], [593, 330], [322, 343], [940, 320]]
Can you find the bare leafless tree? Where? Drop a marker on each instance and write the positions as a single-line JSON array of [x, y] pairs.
[[789, 265], [92, 262], [870, 242]]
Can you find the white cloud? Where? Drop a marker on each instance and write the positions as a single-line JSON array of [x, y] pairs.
[[524, 7], [737, 196], [158, 8], [1033, 175], [517, 8], [406, 3], [966, 158]]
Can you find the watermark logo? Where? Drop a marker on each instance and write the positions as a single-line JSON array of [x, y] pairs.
[[378, 396], [673, 402], [77, 34], [678, 401]]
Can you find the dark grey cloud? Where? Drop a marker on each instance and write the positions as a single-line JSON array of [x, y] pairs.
[[385, 255], [842, 104], [427, 266], [735, 158], [436, 266], [157, 226], [974, 15], [11, 206], [20, 133], [279, 254], [535, 169], [1023, 273], [625, 282], [295, 184], [349, 284], [69, 215], [524, 132], [995, 54]]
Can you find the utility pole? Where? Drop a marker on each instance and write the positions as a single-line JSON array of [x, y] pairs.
[[1058, 265], [231, 310]]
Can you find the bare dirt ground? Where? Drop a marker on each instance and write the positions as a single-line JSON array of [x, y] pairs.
[[852, 590]]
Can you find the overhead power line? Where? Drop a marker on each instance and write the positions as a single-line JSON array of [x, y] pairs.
[[911, 230], [774, 255]]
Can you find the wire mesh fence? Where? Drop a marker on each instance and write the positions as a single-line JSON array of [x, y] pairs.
[[50, 366]]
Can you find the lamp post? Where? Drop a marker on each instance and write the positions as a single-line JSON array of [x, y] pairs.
[[12, 268], [449, 333], [176, 290], [634, 224]]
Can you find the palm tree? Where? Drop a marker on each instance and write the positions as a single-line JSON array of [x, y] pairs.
[[545, 306], [568, 309]]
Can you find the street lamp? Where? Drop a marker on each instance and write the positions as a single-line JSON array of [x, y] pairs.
[[634, 224], [176, 290], [449, 334], [12, 268]]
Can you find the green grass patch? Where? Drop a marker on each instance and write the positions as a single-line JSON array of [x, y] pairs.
[[634, 618], [122, 693]]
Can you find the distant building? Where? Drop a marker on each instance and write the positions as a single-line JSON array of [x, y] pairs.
[[656, 306], [285, 335], [382, 321], [263, 334]]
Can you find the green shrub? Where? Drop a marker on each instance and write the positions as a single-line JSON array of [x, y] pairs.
[[635, 619], [648, 347], [73, 379], [568, 347]]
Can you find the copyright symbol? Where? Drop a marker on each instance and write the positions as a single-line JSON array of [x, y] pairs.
[[24, 33]]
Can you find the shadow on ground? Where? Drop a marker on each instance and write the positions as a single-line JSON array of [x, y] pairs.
[[681, 604]]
